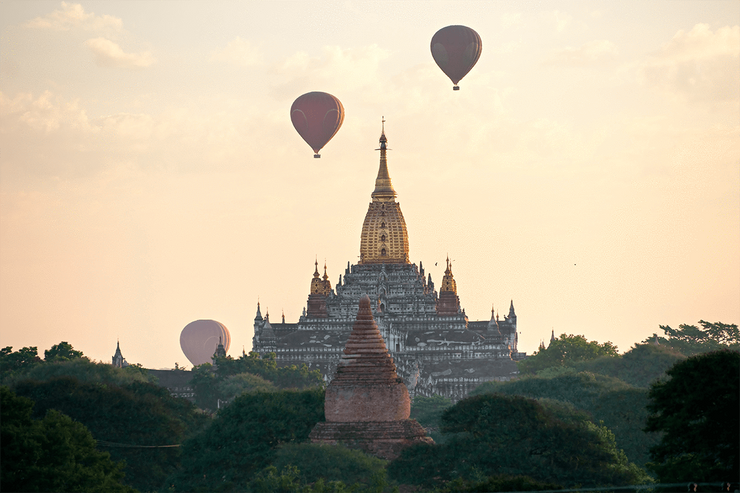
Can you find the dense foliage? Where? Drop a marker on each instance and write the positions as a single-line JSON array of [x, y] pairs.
[[212, 385], [54, 453], [620, 407], [330, 462], [17, 362], [244, 436], [566, 351], [690, 339], [640, 366], [428, 412], [495, 434], [696, 409], [125, 419]]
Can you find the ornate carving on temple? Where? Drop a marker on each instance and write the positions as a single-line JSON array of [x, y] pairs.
[[367, 405]]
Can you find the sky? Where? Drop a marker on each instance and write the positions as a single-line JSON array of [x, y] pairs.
[[588, 168]]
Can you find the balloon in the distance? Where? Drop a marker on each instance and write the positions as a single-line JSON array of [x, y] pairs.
[[317, 117], [456, 49], [199, 340]]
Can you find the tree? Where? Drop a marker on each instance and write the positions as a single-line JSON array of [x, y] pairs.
[[237, 384], [428, 412], [14, 363], [330, 463], [640, 366], [496, 434], [62, 352], [620, 407], [690, 339], [243, 437], [51, 454], [83, 370], [696, 410], [128, 421], [208, 380], [566, 351]]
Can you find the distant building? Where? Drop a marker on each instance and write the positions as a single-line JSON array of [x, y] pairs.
[[118, 360], [436, 349], [177, 382]]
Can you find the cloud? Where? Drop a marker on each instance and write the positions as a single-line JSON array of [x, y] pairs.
[[511, 19], [590, 52], [347, 69], [238, 52], [699, 65], [108, 54], [559, 19], [73, 16]]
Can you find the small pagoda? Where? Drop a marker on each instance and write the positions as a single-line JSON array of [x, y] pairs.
[[367, 405]]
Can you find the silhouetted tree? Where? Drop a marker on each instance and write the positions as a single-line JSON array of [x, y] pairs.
[[619, 406], [566, 351], [696, 410], [495, 434], [690, 339], [62, 352], [17, 362], [243, 437], [51, 454], [127, 420]]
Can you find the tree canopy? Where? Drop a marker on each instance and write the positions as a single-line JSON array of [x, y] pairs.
[[690, 339], [619, 406], [566, 351], [54, 453], [496, 434], [210, 384], [62, 352], [17, 362], [243, 437], [428, 412], [696, 410], [126, 419]]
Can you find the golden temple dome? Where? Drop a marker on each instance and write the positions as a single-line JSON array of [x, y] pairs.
[[384, 236]]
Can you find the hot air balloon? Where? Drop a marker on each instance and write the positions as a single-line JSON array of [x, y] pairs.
[[456, 49], [317, 116], [200, 339]]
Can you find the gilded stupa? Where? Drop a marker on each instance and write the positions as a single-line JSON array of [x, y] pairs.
[[384, 238], [436, 349]]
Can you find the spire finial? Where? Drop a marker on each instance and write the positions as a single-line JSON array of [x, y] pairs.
[[383, 188]]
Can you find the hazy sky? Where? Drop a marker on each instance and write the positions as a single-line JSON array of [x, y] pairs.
[[588, 168]]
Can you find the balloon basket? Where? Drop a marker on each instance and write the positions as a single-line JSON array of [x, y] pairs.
[[316, 156], [455, 88]]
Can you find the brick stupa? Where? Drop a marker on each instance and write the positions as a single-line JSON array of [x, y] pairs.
[[367, 405]]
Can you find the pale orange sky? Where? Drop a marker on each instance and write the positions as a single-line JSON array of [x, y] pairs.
[[588, 169]]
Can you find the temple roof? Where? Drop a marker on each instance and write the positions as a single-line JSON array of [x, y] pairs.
[[384, 236]]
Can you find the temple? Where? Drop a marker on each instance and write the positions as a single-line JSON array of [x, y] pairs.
[[436, 349], [367, 406]]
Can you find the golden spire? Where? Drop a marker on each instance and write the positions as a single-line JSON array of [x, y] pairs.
[[383, 187], [448, 281], [317, 285], [384, 238]]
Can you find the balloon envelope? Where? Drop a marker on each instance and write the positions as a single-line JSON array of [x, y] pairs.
[[456, 49], [317, 117], [199, 340]]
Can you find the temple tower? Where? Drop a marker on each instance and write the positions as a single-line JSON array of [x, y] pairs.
[[367, 405], [448, 303], [384, 239]]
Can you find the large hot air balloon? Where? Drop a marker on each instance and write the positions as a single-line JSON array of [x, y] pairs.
[[199, 340], [317, 116], [456, 49]]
